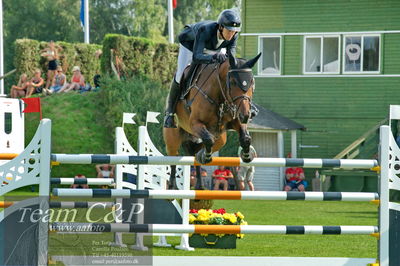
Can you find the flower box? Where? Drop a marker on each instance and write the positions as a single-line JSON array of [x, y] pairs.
[[215, 217], [212, 241]]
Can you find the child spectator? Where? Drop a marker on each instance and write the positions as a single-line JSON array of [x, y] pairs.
[[220, 176], [77, 81], [36, 83], [19, 90]]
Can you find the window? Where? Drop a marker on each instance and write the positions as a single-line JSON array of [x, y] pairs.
[[361, 53], [270, 63], [321, 54]]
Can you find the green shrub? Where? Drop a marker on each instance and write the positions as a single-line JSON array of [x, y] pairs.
[[137, 94], [27, 58], [139, 56]]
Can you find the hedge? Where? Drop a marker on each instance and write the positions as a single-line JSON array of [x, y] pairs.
[[27, 58], [140, 56]]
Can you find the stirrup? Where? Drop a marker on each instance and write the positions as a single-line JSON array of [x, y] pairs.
[[169, 121]]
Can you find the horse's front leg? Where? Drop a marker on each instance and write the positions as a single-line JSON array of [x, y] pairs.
[[248, 152], [200, 131]]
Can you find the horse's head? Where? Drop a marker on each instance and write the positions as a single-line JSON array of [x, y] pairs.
[[240, 86]]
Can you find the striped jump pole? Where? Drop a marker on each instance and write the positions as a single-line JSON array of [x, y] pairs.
[[81, 181], [226, 161], [8, 156], [214, 194], [6, 204], [214, 229], [67, 204], [83, 205]]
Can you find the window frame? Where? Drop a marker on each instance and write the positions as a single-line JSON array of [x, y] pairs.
[[321, 37], [261, 50], [344, 72]]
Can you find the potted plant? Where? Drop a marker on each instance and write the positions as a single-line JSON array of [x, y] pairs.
[[215, 217]]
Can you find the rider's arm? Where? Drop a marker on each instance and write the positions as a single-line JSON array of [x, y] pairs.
[[198, 49]]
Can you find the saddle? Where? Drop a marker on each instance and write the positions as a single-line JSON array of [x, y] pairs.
[[187, 79]]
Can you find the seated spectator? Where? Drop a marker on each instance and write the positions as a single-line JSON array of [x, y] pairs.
[[105, 171], [205, 180], [80, 185], [77, 81], [19, 90], [36, 83], [59, 81], [295, 179], [220, 176]]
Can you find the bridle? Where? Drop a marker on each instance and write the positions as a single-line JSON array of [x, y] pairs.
[[244, 85], [228, 104]]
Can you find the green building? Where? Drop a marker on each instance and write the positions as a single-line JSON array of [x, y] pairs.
[[331, 65]]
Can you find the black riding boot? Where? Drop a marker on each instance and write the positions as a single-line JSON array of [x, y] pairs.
[[171, 104]]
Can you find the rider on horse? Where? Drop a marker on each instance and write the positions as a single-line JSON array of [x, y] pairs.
[[201, 43]]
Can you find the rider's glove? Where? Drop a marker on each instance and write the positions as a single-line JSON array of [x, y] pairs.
[[219, 57]]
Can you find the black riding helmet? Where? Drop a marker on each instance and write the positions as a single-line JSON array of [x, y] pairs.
[[230, 20]]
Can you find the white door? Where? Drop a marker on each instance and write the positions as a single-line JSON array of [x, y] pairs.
[[266, 145]]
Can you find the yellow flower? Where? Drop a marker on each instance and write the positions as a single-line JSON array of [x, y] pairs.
[[230, 217], [240, 215], [203, 218], [243, 223], [239, 235], [216, 215], [233, 219], [192, 218]]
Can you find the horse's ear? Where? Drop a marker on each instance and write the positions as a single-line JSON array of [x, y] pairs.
[[232, 60], [251, 62]]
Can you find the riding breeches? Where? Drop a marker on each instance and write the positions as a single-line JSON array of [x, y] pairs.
[[185, 57]]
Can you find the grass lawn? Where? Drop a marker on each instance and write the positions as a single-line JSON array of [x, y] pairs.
[[260, 213]]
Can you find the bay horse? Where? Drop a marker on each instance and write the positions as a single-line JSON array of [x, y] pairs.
[[219, 98]]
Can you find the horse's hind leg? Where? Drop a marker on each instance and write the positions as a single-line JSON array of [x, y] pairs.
[[173, 140]]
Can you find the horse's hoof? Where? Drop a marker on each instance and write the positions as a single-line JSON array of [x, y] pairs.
[[248, 157], [202, 158]]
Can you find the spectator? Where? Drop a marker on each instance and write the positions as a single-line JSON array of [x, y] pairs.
[[246, 174], [205, 179], [36, 83], [295, 179], [77, 81], [51, 54], [105, 171], [220, 176], [59, 81], [80, 185], [19, 90]]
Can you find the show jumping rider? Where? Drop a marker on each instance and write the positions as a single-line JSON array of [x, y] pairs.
[[202, 43]]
